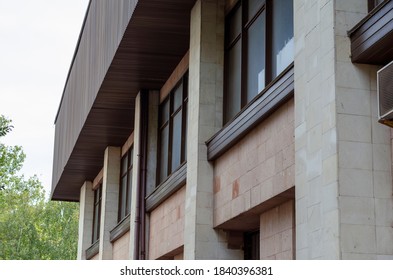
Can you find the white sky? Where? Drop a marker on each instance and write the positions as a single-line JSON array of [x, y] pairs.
[[37, 42]]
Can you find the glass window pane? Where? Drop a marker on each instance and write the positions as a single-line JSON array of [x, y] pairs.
[[164, 153], [256, 57], [176, 141], [283, 42], [164, 114], [233, 86], [96, 214], [178, 97], [234, 25], [123, 197], [128, 208], [185, 132], [95, 229], [124, 161], [131, 157], [253, 7], [185, 85]]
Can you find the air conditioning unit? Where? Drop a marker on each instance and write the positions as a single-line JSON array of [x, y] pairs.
[[385, 94]]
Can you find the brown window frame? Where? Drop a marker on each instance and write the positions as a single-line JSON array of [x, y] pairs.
[[266, 8], [97, 214], [125, 205], [169, 123], [374, 3]]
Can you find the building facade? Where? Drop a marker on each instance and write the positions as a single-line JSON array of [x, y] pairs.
[[228, 129]]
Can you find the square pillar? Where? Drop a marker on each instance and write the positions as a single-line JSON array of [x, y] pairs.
[[342, 154], [135, 168], [201, 241], [110, 200], [86, 205]]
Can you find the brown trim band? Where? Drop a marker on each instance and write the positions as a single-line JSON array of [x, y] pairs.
[[279, 91], [173, 183], [93, 250], [175, 77], [371, 38], [98, 179], [120, 229]]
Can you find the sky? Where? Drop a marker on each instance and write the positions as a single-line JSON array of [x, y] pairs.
[[37, 43]]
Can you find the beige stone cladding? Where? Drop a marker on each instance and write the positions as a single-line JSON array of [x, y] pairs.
[[167, 226], [86, 205], [95, 258], [120, 247], [258, 168], [343, 164], [277, 236]]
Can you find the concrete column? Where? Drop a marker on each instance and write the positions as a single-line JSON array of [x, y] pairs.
[[343, 163], [135, 168], [151, 161], [364, 150], [151, 180], [316, 150], [204, 119], [110, 200], [86, 207], [151, 172]]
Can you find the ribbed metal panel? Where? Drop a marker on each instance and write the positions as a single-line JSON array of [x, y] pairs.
[[124, 46], [385, 94], [104, 26]]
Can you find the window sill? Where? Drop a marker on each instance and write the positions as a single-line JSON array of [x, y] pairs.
[[93, 250], [371, 38], [173, 183], [275, 94], [120, 229]]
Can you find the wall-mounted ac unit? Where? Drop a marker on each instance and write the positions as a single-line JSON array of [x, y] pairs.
[[385, 94]]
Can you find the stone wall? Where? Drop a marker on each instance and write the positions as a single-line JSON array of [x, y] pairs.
[[120, 247], [277, 236], [167, 226], [256, 169]]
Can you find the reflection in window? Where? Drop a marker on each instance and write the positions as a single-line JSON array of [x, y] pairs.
[[97, 213], [283, 42], [125, 184], [233, 84], [373, 3], [172, 130], [255, 57], [259, 45]]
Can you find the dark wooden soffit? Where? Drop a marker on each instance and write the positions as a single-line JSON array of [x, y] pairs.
[[372, 37], [155, 40], [278, 92]]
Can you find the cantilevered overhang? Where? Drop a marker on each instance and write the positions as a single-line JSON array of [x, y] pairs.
[[124, 46], [372, 37]]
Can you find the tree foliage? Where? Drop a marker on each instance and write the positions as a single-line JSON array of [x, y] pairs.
[[5, 126], [31, 227]]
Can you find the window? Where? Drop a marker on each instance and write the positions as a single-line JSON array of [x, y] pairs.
[[125, 184], [373, 3], [172, 130], [97, 213], [259, 45], [251, 245]]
